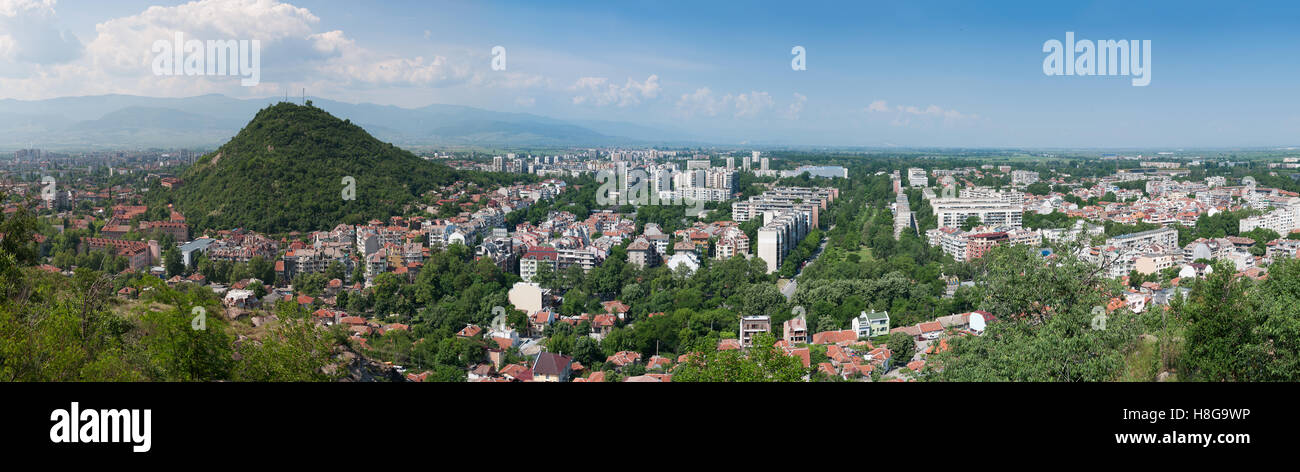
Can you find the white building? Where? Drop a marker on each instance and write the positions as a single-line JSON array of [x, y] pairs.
[[953, 212], [916, 177], [870, 325], [1282, 220]]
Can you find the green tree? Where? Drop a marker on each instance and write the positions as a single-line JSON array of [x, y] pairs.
[[903, 347], [761, 363], [172, 259]]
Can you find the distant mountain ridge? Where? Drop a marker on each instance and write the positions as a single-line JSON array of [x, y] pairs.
[[126, 121]]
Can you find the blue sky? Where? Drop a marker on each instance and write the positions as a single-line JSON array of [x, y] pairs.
[[878, 73]]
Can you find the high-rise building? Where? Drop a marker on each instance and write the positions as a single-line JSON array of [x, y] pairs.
[[953, 212], [916, 177]]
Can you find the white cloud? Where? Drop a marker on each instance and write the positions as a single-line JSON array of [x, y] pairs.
[[28, 35], [796, 107], [293, 53], [752, 104], [598, 91], [525, 101], [703, 102], [903, 114], [699, 102]]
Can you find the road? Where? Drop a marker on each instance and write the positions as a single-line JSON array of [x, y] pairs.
[[790, 287]]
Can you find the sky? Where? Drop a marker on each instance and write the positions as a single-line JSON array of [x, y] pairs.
[[906, 73]]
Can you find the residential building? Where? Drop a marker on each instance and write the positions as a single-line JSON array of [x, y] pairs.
[[870, 325], [751, 325]]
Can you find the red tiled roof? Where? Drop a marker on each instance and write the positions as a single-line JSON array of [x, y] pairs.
[[834, 337]]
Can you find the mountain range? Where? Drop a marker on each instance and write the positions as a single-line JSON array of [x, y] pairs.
[[127, 121]]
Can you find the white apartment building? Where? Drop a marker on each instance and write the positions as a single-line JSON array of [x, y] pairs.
[[1165, 237], [953, 212], [916, 177], [1014, 197], [1281, 220], [1023, 177], [782, 231]]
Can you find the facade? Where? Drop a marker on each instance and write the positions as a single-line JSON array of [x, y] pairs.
[[536, 256], [953, 212], [751, 325], [781, 233], [795, 330], [916, 177], [1282, 220], [1023, 177], [136, 252], [1165, 237], [870, 325]]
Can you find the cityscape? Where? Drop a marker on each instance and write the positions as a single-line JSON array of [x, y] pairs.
[[504, 210], [313, 227]]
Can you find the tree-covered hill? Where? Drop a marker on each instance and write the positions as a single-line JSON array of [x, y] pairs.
[[286, 171]]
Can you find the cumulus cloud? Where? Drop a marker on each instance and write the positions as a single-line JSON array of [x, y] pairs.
[[293, 51], [599, 91], [29, 35], [699, 102], [904, 113], [796, 107], [752, 104], [703, 102]]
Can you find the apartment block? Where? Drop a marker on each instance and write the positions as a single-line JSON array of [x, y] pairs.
[[953, 212]]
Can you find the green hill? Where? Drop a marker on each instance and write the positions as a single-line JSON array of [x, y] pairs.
[[284, 171]]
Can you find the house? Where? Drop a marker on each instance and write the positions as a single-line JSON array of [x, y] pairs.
[[550, 367], [239, 299], [870, 325], [835, 337], [653, 378], [728, 344], [517, 372], [803, 353], [752, 325], [684, 259], [881, 356], [931, 329], [658, 361], [642, 253], [538, 322], [912, 330], [481, 371], [615, 307], [795, 331], [328, 317], [601, 325], [624, 358], [469, 331]]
